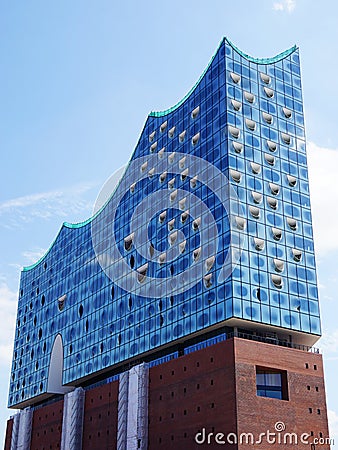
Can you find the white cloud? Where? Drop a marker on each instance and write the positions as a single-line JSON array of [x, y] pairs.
[[59, 203], [333, 425], [323, 163], [32, 256], [329, 342], [285, 5], [8, 304]]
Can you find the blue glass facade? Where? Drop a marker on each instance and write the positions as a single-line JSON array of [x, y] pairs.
[[244, 120]]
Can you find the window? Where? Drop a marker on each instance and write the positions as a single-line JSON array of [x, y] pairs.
[[172, 238], [269, 159], [171, 183], [267, 117], [249, 97], [61, 302], [271, 383], [193, 182], [235, 77], [195, 138], [128, 241], [173, 196], [171, 224], [274, 188], [196, 224], [238, 147], [292, 223], [181, 246], [152, 136], [209, 262], [259, 243], [254, 211], [182, 135], [291, 180], [265, 78], [271, 145], [163, 126], [240, 222], [142, 273], [235, 175], [163, 176], [208, 280], [277, 281], [182, 203], [153, 147], [286, 138], [297, 254], [184, 174], [197, 254], [195, 112], [279, 265], [171, 158], [236, 105], [234, 131], [256, 196], [256, 168], [269, 92], [287, 113], [272, 202], [277, 233], [171, 132], [144, 167], [251, 125]]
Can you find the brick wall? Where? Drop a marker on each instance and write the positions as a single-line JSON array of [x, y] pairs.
[[190, 393], [212, 390], [100, 417], [305, 387], [47, 426], [8, 437]]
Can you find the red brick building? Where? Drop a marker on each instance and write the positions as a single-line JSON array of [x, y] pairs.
[[207, 399]]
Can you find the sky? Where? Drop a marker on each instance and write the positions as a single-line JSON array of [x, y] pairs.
[[78, 80]]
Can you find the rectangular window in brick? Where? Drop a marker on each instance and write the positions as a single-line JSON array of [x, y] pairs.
[[271, 383]]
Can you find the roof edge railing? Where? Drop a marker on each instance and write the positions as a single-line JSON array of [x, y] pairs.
[[272, 340]]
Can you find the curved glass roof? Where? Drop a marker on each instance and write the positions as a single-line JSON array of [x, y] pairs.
[[271, 60]]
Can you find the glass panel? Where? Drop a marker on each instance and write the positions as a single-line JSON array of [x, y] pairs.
[[274, 394], [273, 379]]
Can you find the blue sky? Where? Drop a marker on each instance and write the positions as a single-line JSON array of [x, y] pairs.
[[77, 82]]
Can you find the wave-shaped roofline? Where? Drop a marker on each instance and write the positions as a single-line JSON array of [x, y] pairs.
[[263, 61]]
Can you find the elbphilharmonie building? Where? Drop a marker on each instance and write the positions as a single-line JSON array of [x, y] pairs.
[[187, 305]]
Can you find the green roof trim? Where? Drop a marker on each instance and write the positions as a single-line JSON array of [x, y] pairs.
[[263, 60], [27, 268], [64, 225], [164, 113], [79, 224], [168, 111], [244, 55]]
